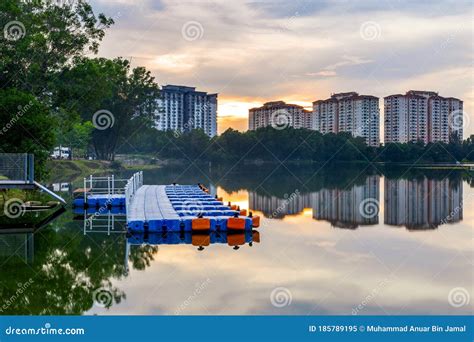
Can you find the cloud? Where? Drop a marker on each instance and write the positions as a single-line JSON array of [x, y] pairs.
[[324, 73], [299, 50]]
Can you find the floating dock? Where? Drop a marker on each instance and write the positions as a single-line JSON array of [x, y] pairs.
[[166, 208], [197, 239]]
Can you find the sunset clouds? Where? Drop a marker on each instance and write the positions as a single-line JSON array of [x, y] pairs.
[[251, 52]]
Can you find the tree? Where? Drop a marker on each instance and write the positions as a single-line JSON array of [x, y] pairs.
[[117, 99], [42, 37], [78, 138], [26, 126]]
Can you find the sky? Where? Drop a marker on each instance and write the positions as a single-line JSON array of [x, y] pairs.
[[299, 51]]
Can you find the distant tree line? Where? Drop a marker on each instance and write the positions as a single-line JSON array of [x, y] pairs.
[[269, 144]]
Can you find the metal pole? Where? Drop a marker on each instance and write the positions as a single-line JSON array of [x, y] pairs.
[[31, 172], [85, 190], [113, 184], [26, 166]]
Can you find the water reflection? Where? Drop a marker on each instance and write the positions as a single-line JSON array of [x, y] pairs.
[[422, 203], [328, 271], [200, 240], [344, 207], [18, 247], [417, 203]]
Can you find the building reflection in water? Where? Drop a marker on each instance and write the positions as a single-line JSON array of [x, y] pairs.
[[419, 203], [422, 203], [275, 207], [340, 207]]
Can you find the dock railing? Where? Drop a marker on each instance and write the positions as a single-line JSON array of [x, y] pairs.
[[133, 184], [104, 185], [104, 223]]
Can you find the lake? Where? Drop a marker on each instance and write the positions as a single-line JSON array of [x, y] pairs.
[[334, 240]]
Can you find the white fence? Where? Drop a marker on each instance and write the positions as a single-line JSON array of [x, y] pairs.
[[133, 184], [110, 185]]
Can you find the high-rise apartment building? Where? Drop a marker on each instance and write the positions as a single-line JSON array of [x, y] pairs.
[[422, 116], [349, 112], [183, 109], [279, 115]]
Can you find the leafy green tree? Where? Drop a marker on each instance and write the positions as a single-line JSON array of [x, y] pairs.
[[78, 138], [42, 38], [26, 126], [118, 100]]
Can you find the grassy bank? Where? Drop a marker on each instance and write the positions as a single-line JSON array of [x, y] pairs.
[[67, 170], [62, 170]]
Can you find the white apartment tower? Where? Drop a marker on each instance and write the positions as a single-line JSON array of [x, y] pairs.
[[422, 116], [349, 112], [279, 115], [183, 109]]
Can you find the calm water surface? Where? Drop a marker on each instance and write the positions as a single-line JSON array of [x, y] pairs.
[[333, 240]]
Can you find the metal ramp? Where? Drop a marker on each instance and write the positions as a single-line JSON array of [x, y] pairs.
[[17, 171]]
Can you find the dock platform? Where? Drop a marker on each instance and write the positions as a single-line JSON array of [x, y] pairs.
[[169, 208]]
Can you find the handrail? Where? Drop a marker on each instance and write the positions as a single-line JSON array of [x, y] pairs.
[[133, 184], [104, 185], [109, 187]]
